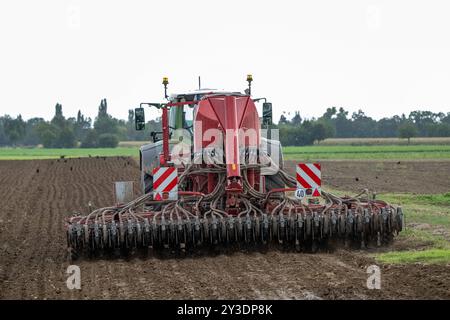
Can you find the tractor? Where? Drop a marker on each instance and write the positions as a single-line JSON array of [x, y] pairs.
[[213, 177]]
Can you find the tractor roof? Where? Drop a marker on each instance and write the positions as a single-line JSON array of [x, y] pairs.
[[194, 95]]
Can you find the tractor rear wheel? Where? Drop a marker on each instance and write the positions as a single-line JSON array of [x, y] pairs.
[[148, 183]]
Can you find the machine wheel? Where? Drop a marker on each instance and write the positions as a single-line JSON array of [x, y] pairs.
[[148, 183]]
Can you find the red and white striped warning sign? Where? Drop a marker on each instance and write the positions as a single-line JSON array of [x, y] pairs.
[[165, 183], [309, 178]]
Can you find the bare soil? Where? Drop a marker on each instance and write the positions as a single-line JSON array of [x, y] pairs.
[[430, 176], [36, 196]]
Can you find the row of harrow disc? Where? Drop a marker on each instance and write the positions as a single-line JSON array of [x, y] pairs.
[[301, 231]]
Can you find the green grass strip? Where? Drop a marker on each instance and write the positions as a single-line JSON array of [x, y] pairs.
[[424, 256]]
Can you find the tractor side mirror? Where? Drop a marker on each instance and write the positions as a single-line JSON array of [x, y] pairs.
[[139, 118], [267, 113]]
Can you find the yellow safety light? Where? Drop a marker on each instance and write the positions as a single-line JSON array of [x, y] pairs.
[[249, 78], [165, 81]]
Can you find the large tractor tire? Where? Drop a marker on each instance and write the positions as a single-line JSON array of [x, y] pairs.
[[148, 183]]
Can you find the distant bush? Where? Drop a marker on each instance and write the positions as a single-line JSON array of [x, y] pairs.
[[107, 140], [90, 140]]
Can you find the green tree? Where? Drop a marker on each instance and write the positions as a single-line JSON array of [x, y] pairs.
[[81, 126], [90, 139], [342, 124], [105, 123], [322, 130], [14, 129], [3, 138], [319, 132], [297, 119], [31, 137], [407, 131], [48, 134], [362, 125], [58, 133], [330, 113], [58, 119], [66, 138], [388, 127], [283, 119]]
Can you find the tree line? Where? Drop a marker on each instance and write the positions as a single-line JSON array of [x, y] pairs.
[[107, 131], [80, 131], [337, 123]]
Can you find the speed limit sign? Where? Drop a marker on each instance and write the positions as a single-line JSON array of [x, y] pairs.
[[300, 193]]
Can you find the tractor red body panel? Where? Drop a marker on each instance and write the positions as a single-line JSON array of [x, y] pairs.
[[231, 123]]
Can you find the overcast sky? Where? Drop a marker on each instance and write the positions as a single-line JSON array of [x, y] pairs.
[[385, 57]]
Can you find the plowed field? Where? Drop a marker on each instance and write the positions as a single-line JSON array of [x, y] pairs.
[[36, 196]]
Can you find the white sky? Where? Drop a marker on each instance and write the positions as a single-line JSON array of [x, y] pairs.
[[385, 57]]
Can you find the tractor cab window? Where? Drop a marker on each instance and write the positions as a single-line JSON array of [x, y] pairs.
[[188, 116], [181, 117]]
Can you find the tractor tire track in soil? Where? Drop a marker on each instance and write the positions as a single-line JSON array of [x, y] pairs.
[[38, 195]]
